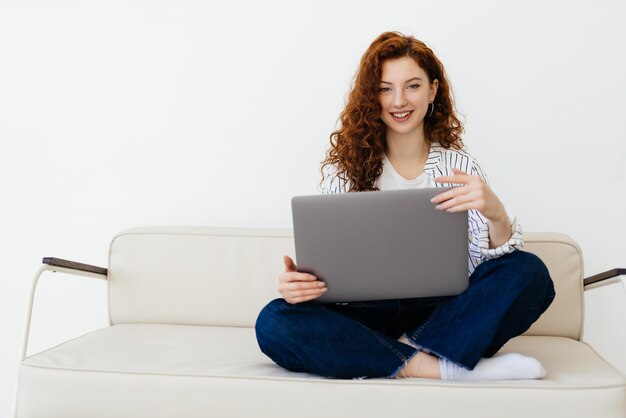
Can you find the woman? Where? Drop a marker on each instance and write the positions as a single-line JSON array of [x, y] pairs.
[[398, 131]]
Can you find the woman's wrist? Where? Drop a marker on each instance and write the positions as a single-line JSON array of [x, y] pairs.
[[500, 231], [500, 216]]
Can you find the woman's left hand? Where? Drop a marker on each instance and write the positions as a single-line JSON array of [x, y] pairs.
[[475, 194]]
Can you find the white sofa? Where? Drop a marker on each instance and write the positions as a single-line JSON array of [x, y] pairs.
[[183, 302]]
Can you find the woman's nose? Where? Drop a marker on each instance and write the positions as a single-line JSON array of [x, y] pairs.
[[399, 98]]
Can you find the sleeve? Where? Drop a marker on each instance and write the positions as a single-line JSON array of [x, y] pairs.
[[331, 184], [516, 242], [478, 232]]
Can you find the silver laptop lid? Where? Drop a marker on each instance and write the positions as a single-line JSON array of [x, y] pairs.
[[381, 245]]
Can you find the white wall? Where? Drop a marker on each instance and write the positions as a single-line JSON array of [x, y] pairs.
[[124, 113]]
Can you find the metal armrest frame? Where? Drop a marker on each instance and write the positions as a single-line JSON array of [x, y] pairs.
[[609, 274], [54, 265], [605, 309], [62, 266]]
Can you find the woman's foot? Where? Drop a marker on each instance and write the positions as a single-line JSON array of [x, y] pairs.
[[421, 364], [508, 366]]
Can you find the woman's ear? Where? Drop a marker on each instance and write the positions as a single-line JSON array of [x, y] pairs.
[[433, 89]]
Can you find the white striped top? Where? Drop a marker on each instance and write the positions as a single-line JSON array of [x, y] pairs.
[[440, 162]]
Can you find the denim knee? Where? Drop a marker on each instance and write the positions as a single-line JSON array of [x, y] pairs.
[[532, 274], [272, 333], [267, 319]]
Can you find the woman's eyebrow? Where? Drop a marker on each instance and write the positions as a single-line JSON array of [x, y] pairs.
[[414, 78]]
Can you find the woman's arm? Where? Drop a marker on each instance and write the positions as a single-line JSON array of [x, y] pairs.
[[475, 194]]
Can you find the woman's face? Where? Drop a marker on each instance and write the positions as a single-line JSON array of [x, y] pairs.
[[405, 93]]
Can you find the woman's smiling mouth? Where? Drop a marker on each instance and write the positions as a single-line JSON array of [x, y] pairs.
[[401, 116]]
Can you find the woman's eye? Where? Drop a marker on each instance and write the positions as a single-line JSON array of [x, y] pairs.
[[413, 86], [385, 89]]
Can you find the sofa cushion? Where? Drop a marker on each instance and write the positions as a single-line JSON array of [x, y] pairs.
[[157, 370], [195, 275]]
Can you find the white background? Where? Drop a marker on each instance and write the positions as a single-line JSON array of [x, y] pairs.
[[116, 114]]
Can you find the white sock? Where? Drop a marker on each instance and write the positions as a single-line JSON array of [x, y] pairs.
[[509, 366]]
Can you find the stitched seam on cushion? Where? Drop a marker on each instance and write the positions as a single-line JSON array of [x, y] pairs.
[[474, 385]]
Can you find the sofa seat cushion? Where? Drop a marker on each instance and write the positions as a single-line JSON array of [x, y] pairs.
[[175, 370]]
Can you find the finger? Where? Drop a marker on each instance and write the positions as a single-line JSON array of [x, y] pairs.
[[448, 194], [298, 286], [303, 299], [306, 293], [459, 176], [289, 264], [457, 200], [462, 207], [467, 201], [296, 277], [456, 179]]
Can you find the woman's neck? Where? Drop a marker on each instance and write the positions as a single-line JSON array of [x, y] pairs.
[[408, 149]]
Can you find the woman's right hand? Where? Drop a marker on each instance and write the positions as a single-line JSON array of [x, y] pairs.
[[296, 287]]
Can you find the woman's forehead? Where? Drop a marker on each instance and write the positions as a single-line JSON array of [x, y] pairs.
[[399, 69]]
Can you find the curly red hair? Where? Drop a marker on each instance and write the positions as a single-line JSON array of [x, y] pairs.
[[357, 147]]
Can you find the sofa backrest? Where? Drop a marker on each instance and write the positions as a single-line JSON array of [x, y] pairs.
[[224, 276], [564, 260], [195, 275]]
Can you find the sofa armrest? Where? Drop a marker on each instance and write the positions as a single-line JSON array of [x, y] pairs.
[[604, 276], [62, 266], [72, 265], [605, 316]]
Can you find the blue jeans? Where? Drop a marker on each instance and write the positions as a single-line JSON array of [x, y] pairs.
[[359, 339]]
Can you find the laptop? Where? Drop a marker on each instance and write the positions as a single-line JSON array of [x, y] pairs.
[[381, 245]]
